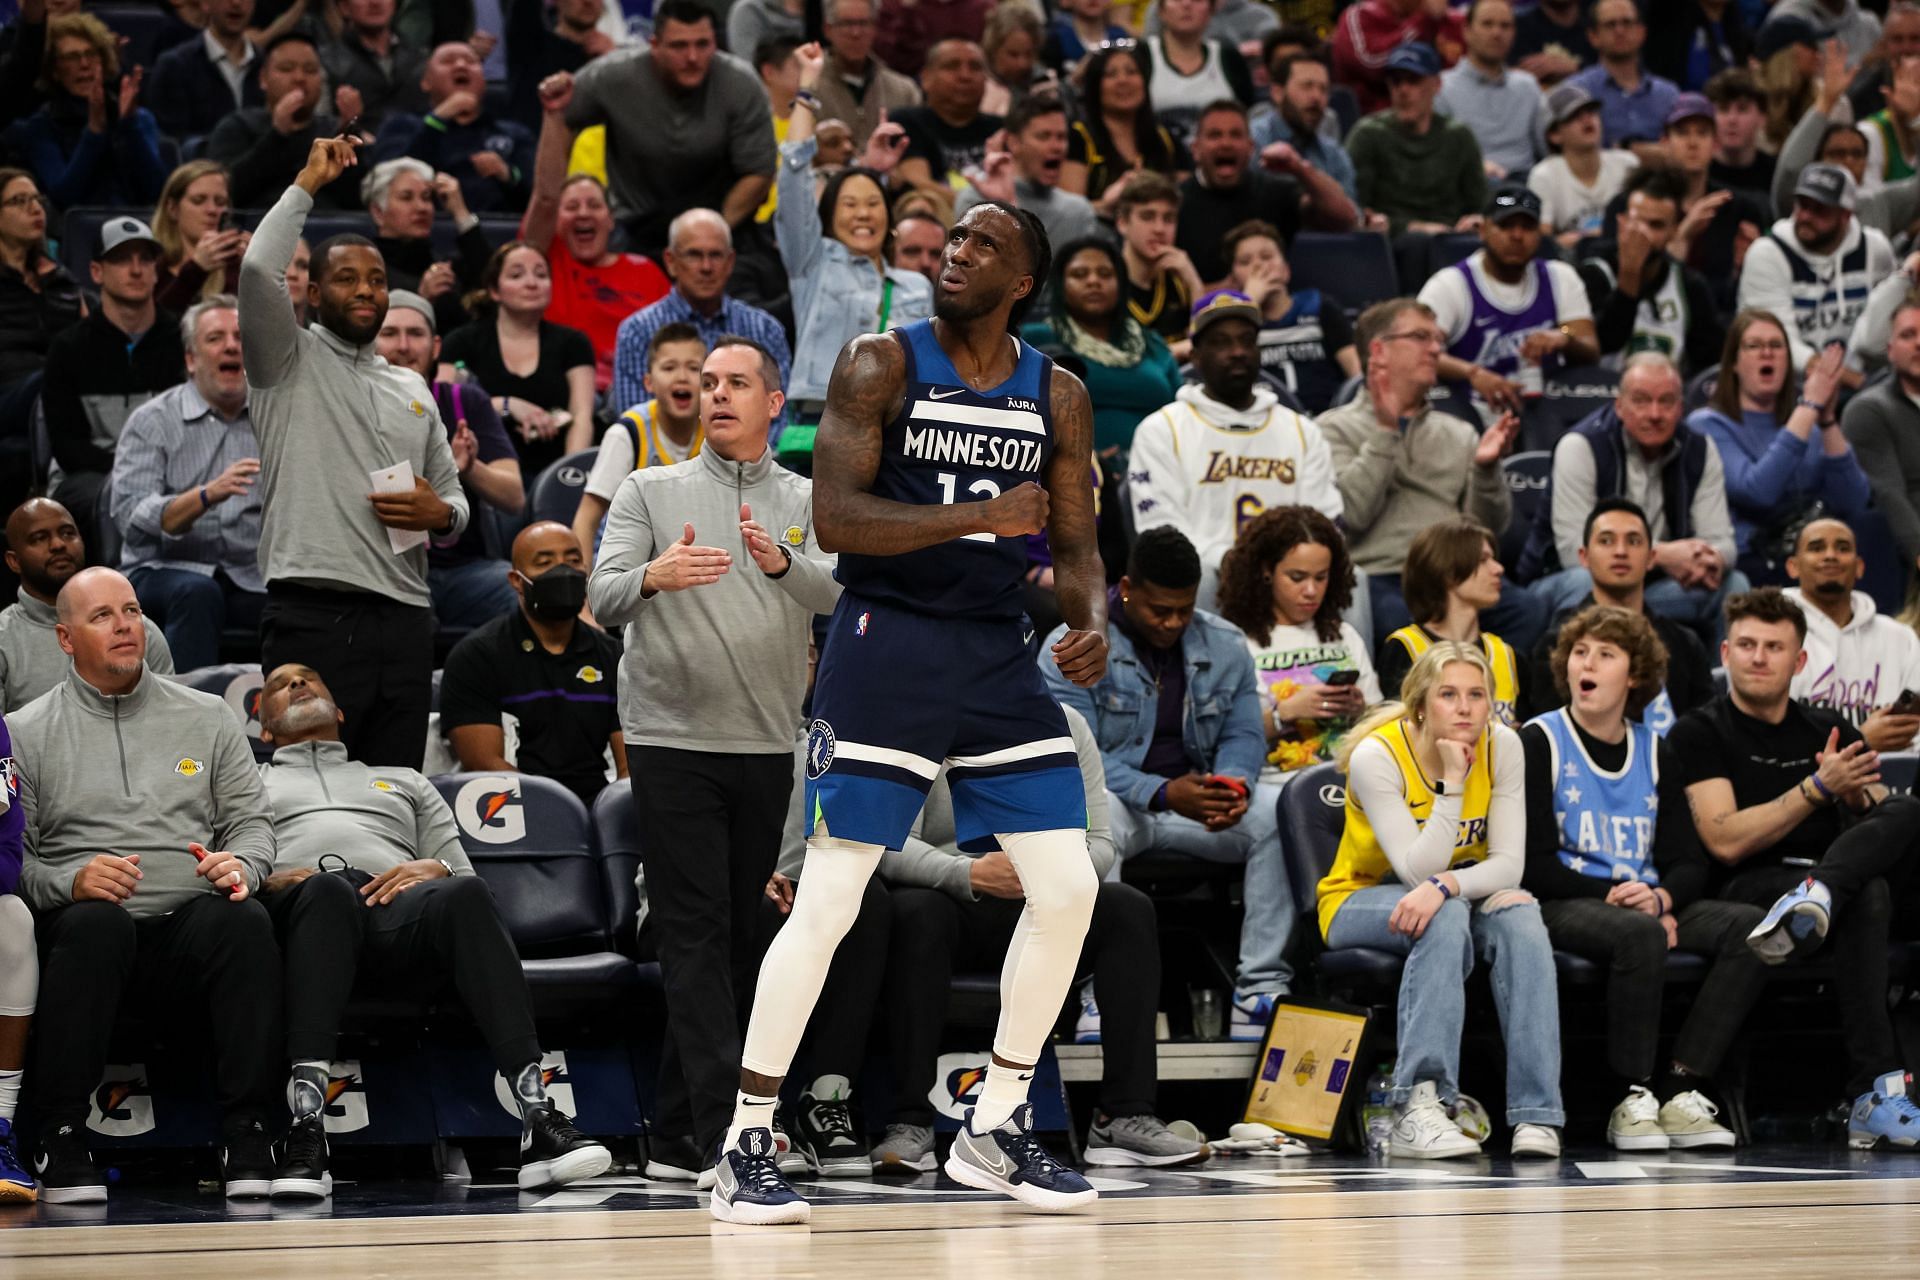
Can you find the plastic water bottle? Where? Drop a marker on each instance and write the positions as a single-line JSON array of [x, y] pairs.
[[1376, 1116]]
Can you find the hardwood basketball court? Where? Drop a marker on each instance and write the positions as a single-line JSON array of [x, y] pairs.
[[1764, 1211]]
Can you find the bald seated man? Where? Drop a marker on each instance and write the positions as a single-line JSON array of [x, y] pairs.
[[537, 690], [45, 549], [370, 874], [147, 837]]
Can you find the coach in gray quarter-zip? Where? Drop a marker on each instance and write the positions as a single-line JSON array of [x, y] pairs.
[[712, 567], [329, 412], [147, 833]]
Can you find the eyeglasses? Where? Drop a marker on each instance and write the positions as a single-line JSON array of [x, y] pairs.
[[24, 201], [1426, 337], [1762, 348], [77, 57]]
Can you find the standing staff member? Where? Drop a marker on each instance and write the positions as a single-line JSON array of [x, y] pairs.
[[712, 566], [329, 413]]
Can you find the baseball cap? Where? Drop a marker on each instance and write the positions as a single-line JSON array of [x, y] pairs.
[[1224, 304], [1689, 106], [1414, 58], [1783, 33], [407, 299], [1826, 184], [1512, 202], [118, 231], [1567, 101]]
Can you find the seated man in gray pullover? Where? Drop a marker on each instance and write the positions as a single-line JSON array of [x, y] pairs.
[[44, 548], [951, 908], [370, 871], [329, 412], [147, 834]]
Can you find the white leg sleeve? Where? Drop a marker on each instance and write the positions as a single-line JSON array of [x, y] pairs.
[[19, 959], [1058, 876], [833, 880]]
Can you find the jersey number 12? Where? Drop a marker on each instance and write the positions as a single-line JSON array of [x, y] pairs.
[[987, 490]]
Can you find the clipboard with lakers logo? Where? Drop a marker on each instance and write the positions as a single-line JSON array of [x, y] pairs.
[[1309, 1081]]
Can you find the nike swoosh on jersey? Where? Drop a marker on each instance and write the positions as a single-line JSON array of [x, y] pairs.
[[945, 395]]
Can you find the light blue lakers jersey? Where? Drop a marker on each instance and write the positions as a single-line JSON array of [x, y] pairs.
[[1606, 820]]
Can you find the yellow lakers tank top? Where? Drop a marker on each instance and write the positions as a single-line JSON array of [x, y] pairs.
[[1500, 656]]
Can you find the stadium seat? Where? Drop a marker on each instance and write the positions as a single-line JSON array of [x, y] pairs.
[[1345, 107], [1313, 812], [1527, 476], [555, 492], [238, 683], [532, 841], [616, 839], [1567, 396], [1355, 267], [1700, 387], [149, 30]]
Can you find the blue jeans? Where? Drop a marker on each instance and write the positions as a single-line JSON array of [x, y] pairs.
[[1433, 994], [1255, 841], [471, 594], [1520, 618], [192, 609], [1696, 606]]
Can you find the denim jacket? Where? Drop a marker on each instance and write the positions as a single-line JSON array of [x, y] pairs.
[[1223, 732], [836, 294]]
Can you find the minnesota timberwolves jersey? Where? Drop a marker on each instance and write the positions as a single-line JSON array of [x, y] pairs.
[[952, 444], [1606, 820]]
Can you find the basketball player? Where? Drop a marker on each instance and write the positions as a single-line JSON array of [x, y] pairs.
[[944, 444]]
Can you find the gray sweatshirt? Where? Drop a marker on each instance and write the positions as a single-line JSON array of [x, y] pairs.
[[932, 858], [721, 667], [145, 772], [32, 661], [374, 817], [328, 413]]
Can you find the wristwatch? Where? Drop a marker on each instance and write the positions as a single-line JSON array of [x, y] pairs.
[[448, 865]]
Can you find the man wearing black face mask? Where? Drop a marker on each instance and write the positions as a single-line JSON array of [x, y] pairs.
[[536, 691]]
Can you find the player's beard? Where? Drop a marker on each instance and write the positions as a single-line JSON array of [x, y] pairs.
[[962, 308]]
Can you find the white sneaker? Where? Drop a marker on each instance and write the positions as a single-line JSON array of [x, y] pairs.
[[1690, 1122], [1635, 1123], [1536, 1140], [1423, 1131]]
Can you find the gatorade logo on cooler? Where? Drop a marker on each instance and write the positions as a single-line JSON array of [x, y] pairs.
[[122, 1105], [559, 1082], [346, 1107], [488, 808]]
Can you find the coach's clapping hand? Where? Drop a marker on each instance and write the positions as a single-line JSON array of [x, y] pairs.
[[107, 878], [760, 545], [394, 881], [684, 565], [419, 508], [1081, 657]]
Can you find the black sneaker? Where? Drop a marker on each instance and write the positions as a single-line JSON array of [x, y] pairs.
[[826, 1135], [554, 1153], [65, 1169], [246, 1161], [302, 1171], [677, 1160]]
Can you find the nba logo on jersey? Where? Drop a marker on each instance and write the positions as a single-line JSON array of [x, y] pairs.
[[860, 627]]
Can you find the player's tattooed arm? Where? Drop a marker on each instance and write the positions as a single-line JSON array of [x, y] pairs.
[[1079, 579], [867, 388]]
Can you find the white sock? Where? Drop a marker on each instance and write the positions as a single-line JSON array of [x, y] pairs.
[[10, 1092], [1004, 1093], [749, 1112]]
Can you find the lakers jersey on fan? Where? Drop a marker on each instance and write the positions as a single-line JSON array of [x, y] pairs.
[[952, 444]]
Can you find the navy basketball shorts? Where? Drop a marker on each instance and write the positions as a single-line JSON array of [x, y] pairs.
[[899, 694]]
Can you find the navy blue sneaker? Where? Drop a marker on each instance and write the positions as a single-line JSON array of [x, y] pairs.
[[16, 1184], [1796, 924], [1011, 1160], [747, 1186]]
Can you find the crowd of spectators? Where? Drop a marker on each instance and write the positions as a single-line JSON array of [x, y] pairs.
[[304, 321]]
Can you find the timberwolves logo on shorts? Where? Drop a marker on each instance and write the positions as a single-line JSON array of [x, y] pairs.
[[819, 748]]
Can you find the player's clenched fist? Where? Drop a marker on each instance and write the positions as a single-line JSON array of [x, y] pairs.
[[1081, 657], [1019, 511]]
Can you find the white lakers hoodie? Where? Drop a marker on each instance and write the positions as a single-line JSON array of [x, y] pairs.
[[1207, 469], [1859, 667]]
